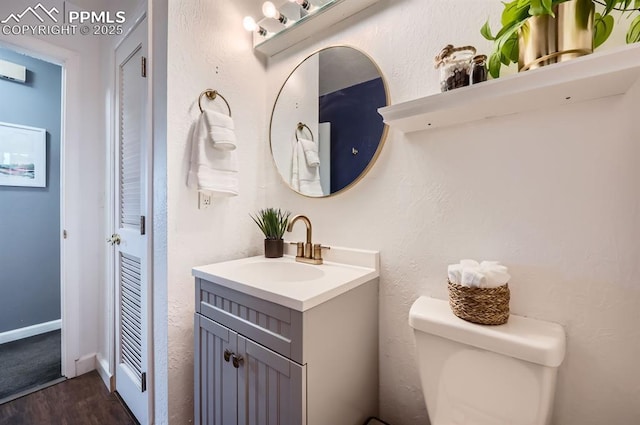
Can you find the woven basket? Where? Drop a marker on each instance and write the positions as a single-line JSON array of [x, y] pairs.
[[486, 306]]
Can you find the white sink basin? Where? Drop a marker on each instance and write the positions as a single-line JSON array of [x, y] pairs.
[[295, 285], [271, 271]]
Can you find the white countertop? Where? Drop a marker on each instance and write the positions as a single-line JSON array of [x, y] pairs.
[[337, 278]]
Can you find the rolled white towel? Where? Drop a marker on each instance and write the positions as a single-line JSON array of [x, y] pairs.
[[455, 273], [495, 278], [473, 277], [487, 274], [310, 149], [221, 131]]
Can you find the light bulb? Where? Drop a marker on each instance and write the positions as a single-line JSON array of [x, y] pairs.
[[249, 23], [305, 4], [269, 10]]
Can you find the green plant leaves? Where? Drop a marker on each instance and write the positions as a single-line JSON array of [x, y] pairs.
[[486, 31], [625, 3], [506, 48], [517, 10], [494, 64], [633, 35], [273, 222], [602, 28], [541, 7], [511, 48], [609, 5]]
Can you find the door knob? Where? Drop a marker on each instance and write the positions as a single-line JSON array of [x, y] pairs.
[[237, 361], [114, 239]]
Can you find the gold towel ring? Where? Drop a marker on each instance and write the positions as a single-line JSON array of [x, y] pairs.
[[211, 95], [302, 126]]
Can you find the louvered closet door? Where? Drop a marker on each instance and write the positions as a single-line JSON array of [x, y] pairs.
[[131, 182]]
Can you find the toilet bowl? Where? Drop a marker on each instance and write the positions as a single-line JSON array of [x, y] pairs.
[[485, 375]]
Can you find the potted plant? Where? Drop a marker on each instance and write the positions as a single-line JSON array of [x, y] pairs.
[[526, 23], [273, 223]]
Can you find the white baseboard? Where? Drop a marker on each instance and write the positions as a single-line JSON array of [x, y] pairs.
[[86, 364], [28, 331], [105, 374]]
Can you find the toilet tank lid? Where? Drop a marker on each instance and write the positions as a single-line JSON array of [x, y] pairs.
[[521, 337]]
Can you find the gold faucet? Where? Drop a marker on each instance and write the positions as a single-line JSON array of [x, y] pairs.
[[307, 252]]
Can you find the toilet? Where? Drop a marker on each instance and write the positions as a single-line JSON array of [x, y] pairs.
[[485, 375]]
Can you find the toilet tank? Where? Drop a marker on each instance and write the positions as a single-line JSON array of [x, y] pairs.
[[485, 375]]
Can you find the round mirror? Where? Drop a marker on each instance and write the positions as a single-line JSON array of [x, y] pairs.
[[325, 130]]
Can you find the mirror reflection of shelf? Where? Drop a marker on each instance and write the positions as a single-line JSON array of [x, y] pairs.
[[595, 76], [303, 24]]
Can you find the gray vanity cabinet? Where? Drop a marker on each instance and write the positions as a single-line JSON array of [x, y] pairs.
[[238, 381], [269, 387], [283, 366], [216, 379]]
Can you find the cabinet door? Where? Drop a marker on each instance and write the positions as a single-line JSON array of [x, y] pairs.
[[271, 388], [216, 380]]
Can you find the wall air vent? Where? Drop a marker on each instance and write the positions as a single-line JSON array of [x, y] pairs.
[[13, 72]]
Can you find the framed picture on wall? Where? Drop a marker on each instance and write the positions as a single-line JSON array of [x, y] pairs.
[[23, 155]]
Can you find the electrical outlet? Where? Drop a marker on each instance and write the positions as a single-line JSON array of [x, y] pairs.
[[204, 201]]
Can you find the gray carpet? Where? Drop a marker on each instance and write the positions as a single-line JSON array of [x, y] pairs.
[[29, 362]]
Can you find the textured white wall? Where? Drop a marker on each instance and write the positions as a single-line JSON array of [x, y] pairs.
[[552, 194], [208, 48]]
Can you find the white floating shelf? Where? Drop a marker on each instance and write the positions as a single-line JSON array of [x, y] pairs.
[[329, 13], [589, 77]]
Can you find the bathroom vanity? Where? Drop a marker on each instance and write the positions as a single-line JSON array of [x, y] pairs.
[[284, 343]]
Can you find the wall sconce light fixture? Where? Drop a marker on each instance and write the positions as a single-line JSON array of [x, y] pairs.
[[283, 24]]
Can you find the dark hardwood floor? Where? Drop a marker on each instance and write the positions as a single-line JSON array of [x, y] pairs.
[[79, 401]]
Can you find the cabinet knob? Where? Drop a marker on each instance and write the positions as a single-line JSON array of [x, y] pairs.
[[237, 361], [227, 355]]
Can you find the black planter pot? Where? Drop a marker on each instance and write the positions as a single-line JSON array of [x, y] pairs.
[[273, 248]]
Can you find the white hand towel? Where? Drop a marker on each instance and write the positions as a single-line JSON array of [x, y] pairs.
[[455, 273], [220, 130], [304, 179], [211, 170], [310, 149]]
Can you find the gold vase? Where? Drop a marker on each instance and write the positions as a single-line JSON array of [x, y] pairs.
[[545, 39]]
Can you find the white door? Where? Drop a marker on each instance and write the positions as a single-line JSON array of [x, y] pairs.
[[131, 238]]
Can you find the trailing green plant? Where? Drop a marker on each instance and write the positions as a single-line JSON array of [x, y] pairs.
[[273, 222], [516, 12]]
